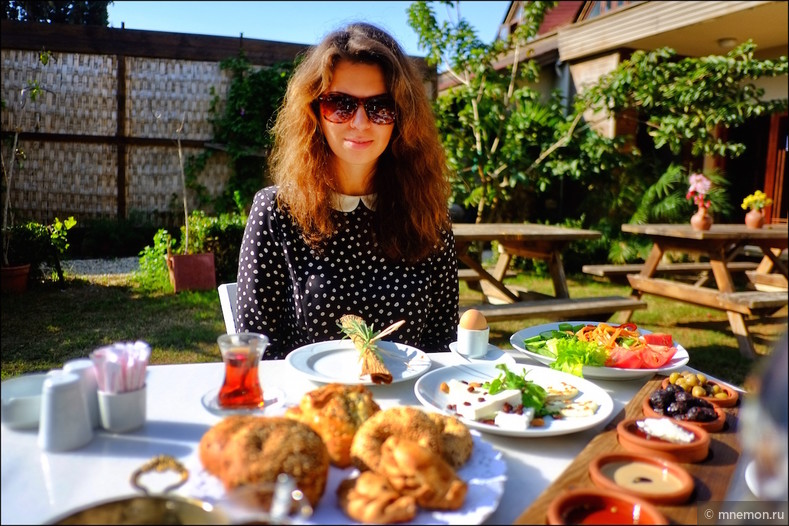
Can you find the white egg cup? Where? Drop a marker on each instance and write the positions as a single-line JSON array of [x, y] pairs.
[[473, 343]]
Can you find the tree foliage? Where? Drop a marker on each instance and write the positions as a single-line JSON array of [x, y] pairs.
[[683, 101], [86, 12], [506, 144]]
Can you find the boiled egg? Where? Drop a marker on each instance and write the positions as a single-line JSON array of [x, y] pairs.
[[473, 320]]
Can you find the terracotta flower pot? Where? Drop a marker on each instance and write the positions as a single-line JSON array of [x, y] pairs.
[[701, 220], [14, 279], [192, 271], [754, 218]]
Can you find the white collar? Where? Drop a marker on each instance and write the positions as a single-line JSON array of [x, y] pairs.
[[348, 203]]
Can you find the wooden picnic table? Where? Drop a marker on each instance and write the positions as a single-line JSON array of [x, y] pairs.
[[536, 241], [719, 244]]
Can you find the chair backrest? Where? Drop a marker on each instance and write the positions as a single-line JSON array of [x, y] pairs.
[[227, 299]]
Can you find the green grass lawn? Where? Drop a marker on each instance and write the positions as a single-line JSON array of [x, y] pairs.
[[46, 326]]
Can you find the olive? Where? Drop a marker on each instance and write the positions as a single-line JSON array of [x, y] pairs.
[[702, 378], [721, 395], [680, 383], [691, 380], [716, 389], [673, 377], [698, 391]]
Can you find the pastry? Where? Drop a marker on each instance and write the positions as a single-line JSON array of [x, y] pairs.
[[369, 498]]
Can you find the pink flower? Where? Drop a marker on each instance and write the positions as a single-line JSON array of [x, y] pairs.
[[699, 187]]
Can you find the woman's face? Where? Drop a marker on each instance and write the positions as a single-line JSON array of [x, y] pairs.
[[357, 143]]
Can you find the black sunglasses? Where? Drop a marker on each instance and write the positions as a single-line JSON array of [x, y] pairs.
[[341, 107]]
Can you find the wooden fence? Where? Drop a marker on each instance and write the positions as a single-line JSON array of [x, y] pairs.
[[100, 143]]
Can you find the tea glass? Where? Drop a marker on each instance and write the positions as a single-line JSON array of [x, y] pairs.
[[241, 353]]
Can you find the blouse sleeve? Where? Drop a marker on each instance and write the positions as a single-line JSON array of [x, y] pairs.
[[264, 289], [441, 325]]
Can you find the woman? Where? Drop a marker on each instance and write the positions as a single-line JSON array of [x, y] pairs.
[[357, 219]]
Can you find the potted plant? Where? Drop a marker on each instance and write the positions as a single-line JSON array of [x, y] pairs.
[[756, 202], [698, 190], [189, 270]]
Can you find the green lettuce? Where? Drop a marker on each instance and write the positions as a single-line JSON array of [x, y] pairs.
[[572, 354]]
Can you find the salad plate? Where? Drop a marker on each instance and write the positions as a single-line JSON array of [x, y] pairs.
[[429, 392], [338, 361], [679, 359]]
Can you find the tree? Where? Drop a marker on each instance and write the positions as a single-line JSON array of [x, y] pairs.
[[506, 145], [86, 12]]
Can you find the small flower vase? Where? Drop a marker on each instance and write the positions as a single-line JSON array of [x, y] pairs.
[[754, 219], [701, 220]]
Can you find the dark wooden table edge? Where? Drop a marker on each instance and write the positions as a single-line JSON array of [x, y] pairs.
[[711, 477]]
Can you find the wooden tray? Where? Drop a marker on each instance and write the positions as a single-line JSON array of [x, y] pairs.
[[711, 476]]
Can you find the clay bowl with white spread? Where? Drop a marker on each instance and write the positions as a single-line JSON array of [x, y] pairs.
[[655, 480], [632, 438]]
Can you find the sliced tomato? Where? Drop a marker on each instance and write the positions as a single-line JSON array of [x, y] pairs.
[[624, 358], [655, 356], [659, 338]]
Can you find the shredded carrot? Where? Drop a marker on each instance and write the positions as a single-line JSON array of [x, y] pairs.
[[606, 335]]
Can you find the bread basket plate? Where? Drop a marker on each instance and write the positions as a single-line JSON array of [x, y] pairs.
[[680, 358], [338, 361], [485, 473], [428, 391]]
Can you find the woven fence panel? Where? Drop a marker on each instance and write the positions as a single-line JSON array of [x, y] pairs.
[[78, 93], [65, 179], [154, 183], [163, 93]]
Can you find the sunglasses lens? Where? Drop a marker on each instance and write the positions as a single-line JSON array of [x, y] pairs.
[[340, 108], [380, 110], [337, 108]]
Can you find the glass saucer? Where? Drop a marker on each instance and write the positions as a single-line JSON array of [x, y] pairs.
[[273, 403]]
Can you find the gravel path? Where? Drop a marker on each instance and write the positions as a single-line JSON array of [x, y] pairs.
[[100, 267]]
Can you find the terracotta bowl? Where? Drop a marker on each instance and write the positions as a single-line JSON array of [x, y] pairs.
[[710, 427], [598, 506], [655, 480], [634, 441], [729, 401]]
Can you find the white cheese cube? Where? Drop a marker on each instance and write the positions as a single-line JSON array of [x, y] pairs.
[[476, 403], [514, 421]]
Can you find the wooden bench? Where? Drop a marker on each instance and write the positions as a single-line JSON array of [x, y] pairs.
[[558, 308], [469, 274], [767, 282], [620, 272], [747, 302]]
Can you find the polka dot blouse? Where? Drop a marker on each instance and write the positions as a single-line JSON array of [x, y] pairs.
[[296, 296]]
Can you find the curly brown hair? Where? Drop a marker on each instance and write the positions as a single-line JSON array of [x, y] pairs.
[[411, 175]]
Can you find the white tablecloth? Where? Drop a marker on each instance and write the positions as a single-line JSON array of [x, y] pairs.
[[37, 486]]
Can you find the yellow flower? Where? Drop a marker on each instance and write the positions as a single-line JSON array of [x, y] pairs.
[[756, 201]]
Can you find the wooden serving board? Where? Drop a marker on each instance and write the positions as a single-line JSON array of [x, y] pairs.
[[711, 477]]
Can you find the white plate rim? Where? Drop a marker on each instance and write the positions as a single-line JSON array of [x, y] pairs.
[[427, 390], [504, 358], [299, 359], [679, 359]]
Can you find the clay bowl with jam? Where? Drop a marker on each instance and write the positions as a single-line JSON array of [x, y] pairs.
[[730, 400], [655, 480], [712, 426], [632, 438], [599, 506]]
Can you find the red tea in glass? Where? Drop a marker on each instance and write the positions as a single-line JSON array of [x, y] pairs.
[[241, 353]]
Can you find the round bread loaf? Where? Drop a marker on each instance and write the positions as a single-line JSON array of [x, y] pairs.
[[263, 447]]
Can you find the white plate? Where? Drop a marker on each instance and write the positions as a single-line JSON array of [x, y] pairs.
[[428, 391], [679, 359], [338, 361], [273, 400], [485, 473], [494, 355]]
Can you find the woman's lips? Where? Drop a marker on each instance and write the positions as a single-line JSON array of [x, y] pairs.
[[357, 144]]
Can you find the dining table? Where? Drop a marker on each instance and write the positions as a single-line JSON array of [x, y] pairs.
[[38, 485], [720, 244], [535, 241]]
